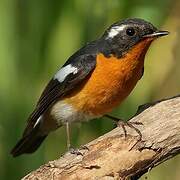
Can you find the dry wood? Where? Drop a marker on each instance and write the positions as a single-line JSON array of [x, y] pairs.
[[111, 156]]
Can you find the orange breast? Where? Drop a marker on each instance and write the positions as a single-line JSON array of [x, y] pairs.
[[111, 81]]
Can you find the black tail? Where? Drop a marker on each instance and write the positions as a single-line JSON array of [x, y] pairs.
[[28, 143]]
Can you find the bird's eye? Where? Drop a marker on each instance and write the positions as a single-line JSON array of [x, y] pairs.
[[130, 31]]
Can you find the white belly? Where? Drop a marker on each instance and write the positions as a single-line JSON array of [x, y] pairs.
[[63, 112]]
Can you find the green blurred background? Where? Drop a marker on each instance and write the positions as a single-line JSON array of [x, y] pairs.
[[37, 37]]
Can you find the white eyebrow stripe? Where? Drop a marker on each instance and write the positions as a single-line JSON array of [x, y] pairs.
[[115, 30], [64, 72]]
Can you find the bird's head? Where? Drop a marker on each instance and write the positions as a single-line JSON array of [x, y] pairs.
[[125, 35]]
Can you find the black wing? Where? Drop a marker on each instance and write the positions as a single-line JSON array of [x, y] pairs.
[[56, 89]]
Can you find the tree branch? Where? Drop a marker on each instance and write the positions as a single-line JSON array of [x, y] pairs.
[[111, 156]]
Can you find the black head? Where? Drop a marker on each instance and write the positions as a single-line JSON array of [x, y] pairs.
[[123, 35]]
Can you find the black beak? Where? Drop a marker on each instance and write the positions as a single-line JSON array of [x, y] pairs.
[[156, 34]]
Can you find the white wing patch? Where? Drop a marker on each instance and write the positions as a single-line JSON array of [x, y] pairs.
[[64, 72], [115, 30]]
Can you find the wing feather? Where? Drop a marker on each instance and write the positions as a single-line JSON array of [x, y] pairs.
[[56, 89]]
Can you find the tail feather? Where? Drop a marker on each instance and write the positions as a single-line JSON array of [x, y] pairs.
[[28, 143]]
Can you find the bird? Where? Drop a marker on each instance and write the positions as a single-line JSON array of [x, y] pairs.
[[92, 82]]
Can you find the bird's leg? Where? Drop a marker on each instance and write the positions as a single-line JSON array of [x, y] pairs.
[[69, 147], [68, 137], [121, 123]]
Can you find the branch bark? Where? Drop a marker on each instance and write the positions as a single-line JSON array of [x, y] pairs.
[[111, 156]]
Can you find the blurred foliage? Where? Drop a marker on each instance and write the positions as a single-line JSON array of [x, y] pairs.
[[36, 38]]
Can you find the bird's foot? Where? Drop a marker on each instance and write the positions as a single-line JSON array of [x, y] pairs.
[[84, 147], [121, 123], [125, 124], [78, 151], [75, 151]]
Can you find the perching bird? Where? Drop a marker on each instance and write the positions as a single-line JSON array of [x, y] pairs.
[[93, 81]]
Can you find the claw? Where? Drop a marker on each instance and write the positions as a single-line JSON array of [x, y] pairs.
[[121, 123], [136, 129], [137, 123], [75, 151], [84, 147]]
